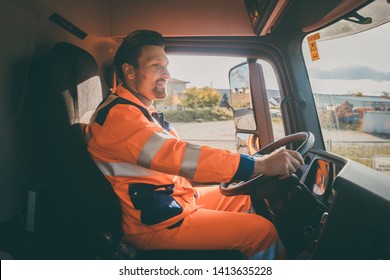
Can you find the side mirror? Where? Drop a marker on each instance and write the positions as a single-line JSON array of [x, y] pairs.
[[240, 96]]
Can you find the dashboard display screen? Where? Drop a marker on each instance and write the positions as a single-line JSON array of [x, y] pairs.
[[321, 177]]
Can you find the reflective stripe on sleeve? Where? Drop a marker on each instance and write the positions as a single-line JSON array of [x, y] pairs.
[[123, 169], [190, 161], [151, 148]]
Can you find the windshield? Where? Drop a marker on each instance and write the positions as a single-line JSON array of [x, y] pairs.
[[350, 79], [369, 17]]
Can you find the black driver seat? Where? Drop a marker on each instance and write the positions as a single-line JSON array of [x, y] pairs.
[[85, 215]]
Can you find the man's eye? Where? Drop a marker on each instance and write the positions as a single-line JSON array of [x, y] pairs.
[[159, 66]]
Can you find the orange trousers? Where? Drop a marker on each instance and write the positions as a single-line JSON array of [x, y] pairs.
[[223, 223]]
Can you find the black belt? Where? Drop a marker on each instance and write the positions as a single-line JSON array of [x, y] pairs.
[[175, 225]]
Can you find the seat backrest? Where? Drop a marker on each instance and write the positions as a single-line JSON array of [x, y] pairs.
[[69, 89]]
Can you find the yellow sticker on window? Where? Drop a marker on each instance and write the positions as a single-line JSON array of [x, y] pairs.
[[313, 37], [313, 46], [314, 51]]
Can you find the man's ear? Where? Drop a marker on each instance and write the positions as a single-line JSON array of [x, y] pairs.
[[128, 71]]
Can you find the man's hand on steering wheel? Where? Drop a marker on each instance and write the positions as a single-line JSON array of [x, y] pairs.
[[281, 163], [274, 162]]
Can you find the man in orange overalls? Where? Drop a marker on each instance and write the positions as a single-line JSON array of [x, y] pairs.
[[150, 168]]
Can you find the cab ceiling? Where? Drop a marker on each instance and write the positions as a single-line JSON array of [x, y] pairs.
[[188, 17], [117, 18]]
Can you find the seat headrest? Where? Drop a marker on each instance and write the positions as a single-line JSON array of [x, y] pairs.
[[74, 76]]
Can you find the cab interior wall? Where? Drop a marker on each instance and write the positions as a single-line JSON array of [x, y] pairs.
[[29, 35], [16, 52]]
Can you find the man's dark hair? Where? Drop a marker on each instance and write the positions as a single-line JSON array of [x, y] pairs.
[[130, 49]]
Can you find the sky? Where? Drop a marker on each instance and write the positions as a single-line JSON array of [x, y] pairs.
[[193, 69], [357, 63]]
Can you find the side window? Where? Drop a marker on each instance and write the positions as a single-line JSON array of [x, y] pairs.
[[209, 107], [198, 100]]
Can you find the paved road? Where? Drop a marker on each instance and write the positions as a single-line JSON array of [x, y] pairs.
[[224, 130]]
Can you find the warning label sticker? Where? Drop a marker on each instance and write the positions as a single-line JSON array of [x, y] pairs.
[[311, 40], [313, 37], [314, 51]]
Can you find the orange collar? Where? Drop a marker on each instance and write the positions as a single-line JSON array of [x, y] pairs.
[[126, 94]]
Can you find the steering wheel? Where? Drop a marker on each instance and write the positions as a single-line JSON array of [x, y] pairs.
[[261, 185]]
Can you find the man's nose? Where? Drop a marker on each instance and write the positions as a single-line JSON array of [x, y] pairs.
[[165, 74]]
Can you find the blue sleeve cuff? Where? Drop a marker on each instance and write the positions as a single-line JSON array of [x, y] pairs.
[[245, 168]]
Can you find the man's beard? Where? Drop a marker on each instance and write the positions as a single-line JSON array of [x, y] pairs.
[[159, 94], [159, 91]]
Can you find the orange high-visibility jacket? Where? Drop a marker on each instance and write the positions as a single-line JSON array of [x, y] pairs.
[[148, 165]]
